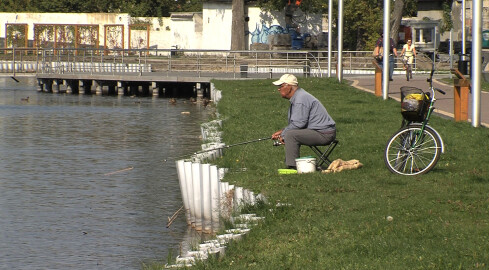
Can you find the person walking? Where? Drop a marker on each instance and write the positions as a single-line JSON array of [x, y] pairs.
[[308, 120], [379, 51]]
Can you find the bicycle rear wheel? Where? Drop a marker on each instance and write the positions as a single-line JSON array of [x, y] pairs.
[[409, 71], [411, 152]]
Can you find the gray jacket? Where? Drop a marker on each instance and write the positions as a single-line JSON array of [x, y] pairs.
[[307, 112]]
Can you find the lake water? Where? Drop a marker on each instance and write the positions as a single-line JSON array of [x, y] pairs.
[[88, 182]]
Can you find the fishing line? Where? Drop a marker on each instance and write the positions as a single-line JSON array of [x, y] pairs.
[[224, 147], [119, 171]]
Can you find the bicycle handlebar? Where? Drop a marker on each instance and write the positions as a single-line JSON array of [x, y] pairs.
[[439, 90], [430, 80]]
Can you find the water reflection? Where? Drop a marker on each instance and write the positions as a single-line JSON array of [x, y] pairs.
[[62, 206]]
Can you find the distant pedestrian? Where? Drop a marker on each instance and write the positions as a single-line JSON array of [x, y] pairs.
[[379, 52]]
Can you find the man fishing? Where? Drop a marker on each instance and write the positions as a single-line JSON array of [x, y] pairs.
[[309, 121]]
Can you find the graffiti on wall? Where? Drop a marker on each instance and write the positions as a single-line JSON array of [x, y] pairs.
[[65, 36], [44, 35], [87, 36], [139, 36], [16, 35], [260, 35], [114, 36]]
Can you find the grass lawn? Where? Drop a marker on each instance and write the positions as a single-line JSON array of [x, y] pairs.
[[338, 221], [484, 84]]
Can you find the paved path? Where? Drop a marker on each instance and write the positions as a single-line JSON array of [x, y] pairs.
[[444, 103]]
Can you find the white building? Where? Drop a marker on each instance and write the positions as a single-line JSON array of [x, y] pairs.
[[206, 30]]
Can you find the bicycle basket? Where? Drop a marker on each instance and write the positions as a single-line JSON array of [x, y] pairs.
[[414, 104]]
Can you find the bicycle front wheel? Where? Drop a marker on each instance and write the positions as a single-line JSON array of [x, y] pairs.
[[411, 151]]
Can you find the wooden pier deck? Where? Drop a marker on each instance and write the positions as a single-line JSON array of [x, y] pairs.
[[161, 84]]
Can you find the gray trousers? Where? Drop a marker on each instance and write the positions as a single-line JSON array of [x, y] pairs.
[[296, 137]]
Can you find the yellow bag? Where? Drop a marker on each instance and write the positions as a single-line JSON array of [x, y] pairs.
[[414, 107]]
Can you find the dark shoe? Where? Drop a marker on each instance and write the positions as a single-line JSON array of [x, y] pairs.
[[390, 79], [292, 167]]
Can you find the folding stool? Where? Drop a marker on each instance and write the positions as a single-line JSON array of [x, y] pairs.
[[323, 156]]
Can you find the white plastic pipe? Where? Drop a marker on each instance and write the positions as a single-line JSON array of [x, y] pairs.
[[222, 171], [197, 191], [238, 198], [183, 187], [215, 196], [246, 196], [190, 193], [224, 189], [206, 198], [225, 201], [252, 198]]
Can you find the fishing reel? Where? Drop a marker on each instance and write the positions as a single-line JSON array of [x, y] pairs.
[[277, 143]]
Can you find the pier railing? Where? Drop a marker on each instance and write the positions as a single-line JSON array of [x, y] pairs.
[[196, 63]]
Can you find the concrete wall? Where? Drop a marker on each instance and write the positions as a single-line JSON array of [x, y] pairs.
[[160, 32], [209, 29], [186, 30], [63, 18], [216, 26], [217, 22]]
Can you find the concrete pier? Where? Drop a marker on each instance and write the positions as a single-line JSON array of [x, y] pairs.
[[128, 84]]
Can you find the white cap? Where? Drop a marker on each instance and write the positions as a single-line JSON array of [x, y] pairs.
[[288, 79]]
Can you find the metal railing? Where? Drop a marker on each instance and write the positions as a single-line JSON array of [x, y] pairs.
[[199, 63]]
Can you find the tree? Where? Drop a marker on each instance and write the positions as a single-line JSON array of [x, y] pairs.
[[396, 18], [136, 8], [363, 19], [18, 6], [237, 26]]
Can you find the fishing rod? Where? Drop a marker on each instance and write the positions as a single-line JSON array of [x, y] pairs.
[[227, 146], [252, 141]]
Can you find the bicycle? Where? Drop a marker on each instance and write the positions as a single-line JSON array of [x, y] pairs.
[[408, 67], [416, 147]]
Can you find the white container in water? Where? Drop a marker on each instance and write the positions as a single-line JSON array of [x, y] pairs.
[[305, 164]]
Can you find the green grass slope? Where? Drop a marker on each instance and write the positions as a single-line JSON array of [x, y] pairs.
[[338, 221]]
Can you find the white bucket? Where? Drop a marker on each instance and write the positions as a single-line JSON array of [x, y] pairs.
[[305, 164]]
